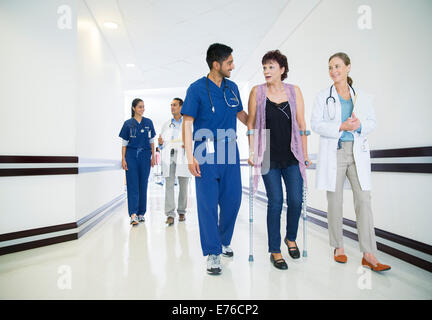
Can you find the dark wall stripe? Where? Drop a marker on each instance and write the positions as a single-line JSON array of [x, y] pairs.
[[402, 167], [402, 152], [60, 227], [52, 240], [425, 265], [410, 243], [38, 243], [36, 231], [38, 159], [36, 171]]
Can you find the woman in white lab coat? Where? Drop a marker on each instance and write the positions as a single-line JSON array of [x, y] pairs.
[[344, 117]]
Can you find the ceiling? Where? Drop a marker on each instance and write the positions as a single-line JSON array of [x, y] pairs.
[[167, 40]]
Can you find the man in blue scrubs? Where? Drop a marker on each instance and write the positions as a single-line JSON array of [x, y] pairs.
[[213, 105]]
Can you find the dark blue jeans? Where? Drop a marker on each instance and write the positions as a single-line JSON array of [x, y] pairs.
[[294, 194]]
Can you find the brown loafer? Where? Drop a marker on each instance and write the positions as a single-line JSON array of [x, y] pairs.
[[182, 217], [340, 258], [170, 221], [379, 267]]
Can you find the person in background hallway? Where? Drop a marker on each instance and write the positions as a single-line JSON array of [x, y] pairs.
[[174, 163], [137, 158], [279, 107], [344, 117], [213, 105]]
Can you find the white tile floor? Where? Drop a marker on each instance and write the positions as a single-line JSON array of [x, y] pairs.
[[152, 261]]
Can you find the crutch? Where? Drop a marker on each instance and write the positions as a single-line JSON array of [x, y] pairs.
[[304, 215], [251, 259], [304, 205]]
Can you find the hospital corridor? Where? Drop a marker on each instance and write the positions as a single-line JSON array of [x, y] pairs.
[[230, 150], [152, 261]]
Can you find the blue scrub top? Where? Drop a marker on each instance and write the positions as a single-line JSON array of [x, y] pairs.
[[138, 134], [197, 105]]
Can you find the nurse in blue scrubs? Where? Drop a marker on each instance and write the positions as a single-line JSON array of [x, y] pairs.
[[213, 105], [137, 158]]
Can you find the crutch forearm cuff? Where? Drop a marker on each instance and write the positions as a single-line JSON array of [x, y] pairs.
[[305, 133]]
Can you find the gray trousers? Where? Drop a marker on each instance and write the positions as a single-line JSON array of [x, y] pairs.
[[346, 167], [169, 191]]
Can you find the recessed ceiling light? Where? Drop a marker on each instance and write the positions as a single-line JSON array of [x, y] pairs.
[[110, 25], [130, 65]]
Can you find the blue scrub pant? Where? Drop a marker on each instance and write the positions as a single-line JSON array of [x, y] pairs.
[[219, 185], [138, 163], [294, 195]]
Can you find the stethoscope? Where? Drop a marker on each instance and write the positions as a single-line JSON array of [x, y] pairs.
[[334, 101], [172, 125], [364, 149], [236, 99], [133, 130]]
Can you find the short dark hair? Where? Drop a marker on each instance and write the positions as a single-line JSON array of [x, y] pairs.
[[179, 100], [217, 52], [281, 59]]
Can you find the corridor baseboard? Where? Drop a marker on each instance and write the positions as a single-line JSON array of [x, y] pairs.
[[391, 237], [45, 236]]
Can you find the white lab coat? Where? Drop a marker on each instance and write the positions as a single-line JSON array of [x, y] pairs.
[[328, 129], [182, 169]]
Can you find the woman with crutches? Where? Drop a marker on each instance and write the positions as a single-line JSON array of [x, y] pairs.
[[279, 107]]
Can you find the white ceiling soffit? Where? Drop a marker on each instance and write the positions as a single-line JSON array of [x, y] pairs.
[[291, 18], [167, 40]]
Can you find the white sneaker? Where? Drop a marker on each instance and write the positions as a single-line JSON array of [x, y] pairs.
[[134, 221], [141, 218], [213, 264], [227, 251]]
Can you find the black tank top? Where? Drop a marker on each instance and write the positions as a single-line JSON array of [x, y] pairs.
[[278, 120]]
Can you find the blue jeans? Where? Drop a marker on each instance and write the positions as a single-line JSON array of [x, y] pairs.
[[294, 194]]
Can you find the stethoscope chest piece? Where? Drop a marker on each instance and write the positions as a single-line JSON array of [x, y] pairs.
[[225, 86], [333, 100]]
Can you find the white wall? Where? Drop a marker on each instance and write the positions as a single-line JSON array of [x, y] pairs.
[[390, 61], [99, 114], [37, 111], [36, 56], [60, 95]]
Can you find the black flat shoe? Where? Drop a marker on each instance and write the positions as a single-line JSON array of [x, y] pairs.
[[293, 251], [280, 263]]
